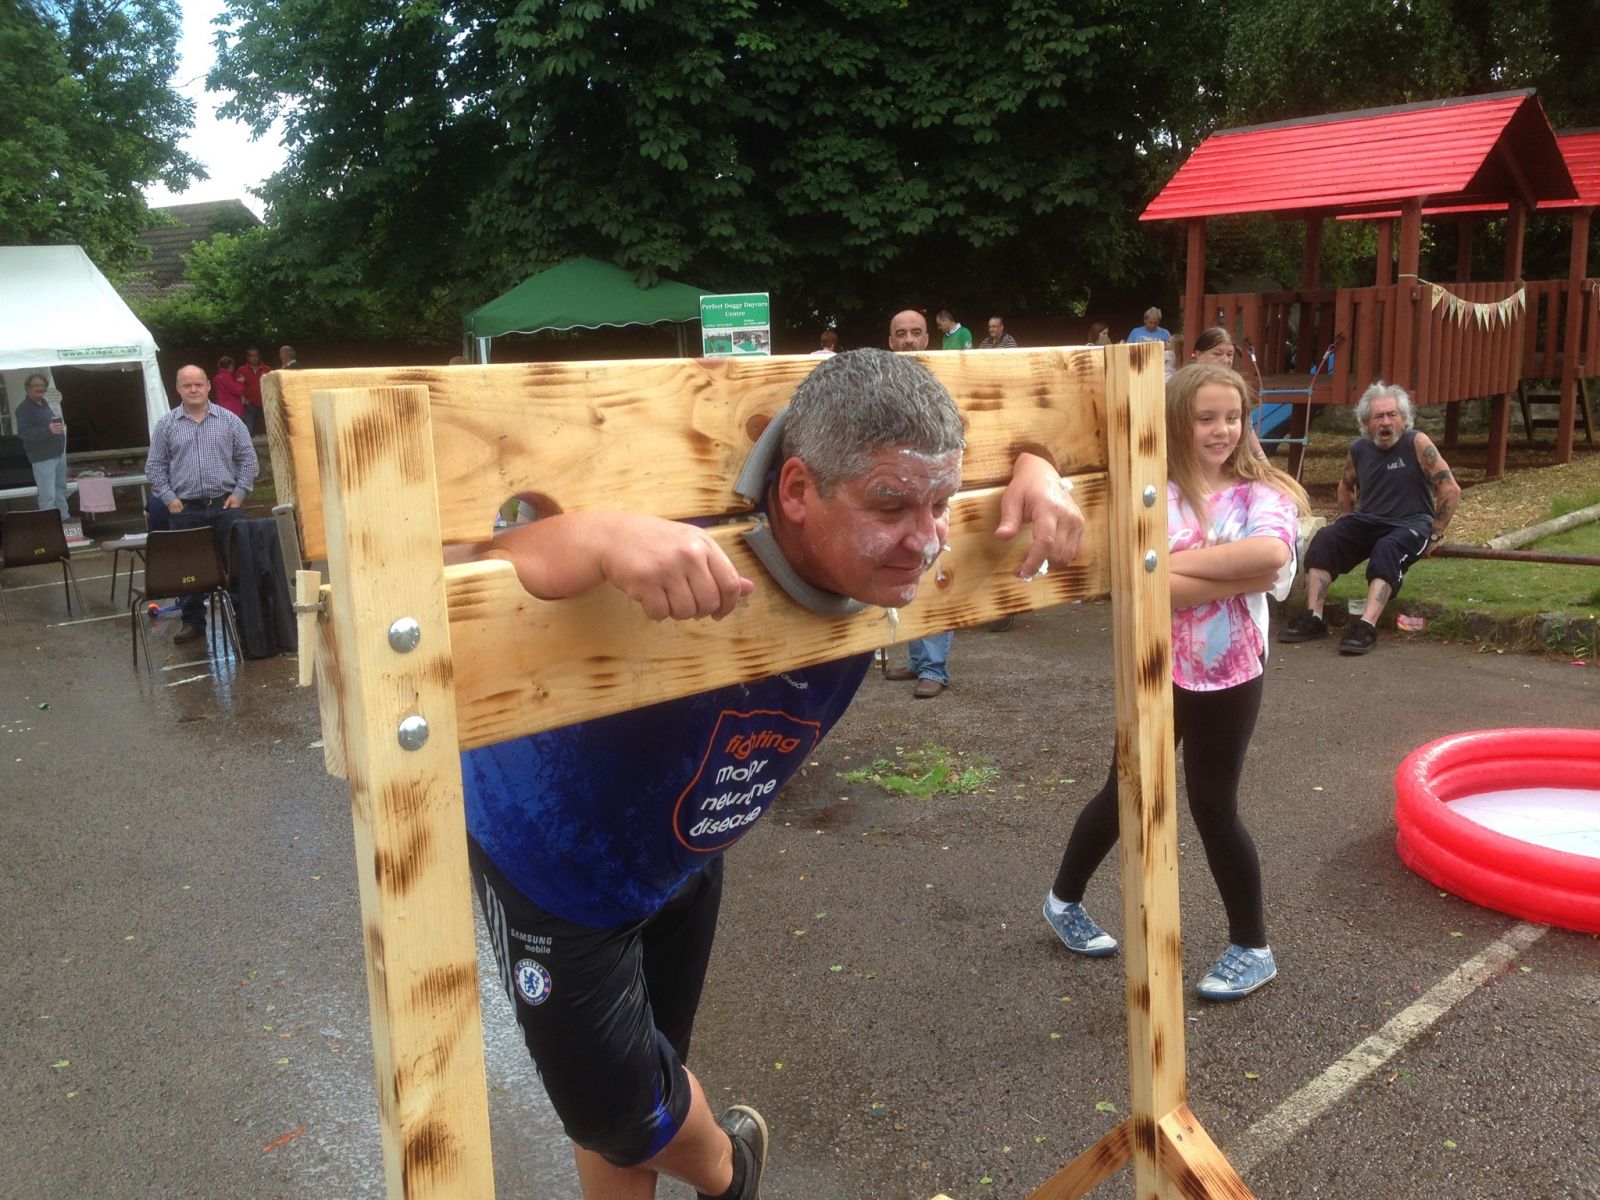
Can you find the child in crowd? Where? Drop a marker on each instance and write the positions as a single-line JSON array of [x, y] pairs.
[[1232, 528]]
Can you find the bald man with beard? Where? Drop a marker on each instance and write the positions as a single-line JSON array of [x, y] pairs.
[[929, 657]]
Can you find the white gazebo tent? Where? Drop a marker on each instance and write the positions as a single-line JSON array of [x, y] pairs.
[[57, 309]]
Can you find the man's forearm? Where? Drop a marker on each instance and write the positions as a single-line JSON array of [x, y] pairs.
[[1446, 497]]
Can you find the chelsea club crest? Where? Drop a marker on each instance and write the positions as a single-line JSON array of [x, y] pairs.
[[533, 981]]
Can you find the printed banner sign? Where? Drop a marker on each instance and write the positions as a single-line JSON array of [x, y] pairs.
[[99, 352], [735, 325]]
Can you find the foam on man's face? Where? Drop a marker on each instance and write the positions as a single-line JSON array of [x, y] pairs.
[[878, 534]]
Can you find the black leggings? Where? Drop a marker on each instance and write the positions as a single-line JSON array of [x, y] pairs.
[[1214, 730]]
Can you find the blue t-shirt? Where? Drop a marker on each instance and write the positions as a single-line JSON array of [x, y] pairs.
[[601, 823], [1141, 334]]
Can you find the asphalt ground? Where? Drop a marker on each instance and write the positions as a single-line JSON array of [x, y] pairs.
[[184, 1005]]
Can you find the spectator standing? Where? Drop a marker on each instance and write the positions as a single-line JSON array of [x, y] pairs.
[[227, 388], [828, 345], [1099, 334], [998, 338], [250, 372], [44, 440], [287, 359], [201, 466], [928, 657], [956, 335], [1151, 330]]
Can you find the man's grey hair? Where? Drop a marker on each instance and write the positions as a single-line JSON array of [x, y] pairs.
[[1377, 392], [858, 403], [1152, 312]]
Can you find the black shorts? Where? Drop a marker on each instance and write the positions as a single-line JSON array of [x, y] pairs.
[[606, 1013], [1353, 539]]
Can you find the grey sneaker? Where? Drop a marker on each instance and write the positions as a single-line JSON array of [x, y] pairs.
[[1236, 974], [1304, 628], [748, 1132], [1361, 638], [1078, 932]]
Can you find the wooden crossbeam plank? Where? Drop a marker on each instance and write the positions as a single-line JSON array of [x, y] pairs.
[[1146, 775], [666, 437], [1192, 1161], [522, 664], [376, 460]]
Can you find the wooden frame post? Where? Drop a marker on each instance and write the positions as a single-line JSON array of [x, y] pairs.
[[1410, 312], [1172, 1155], [411, 462], [1571, 359], [1383, 267], [1194, 287], [375, 455], [1516, 234], [1452, 411]]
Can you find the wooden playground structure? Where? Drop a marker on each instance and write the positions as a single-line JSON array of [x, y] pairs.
[[1449, 162], [416, 660]]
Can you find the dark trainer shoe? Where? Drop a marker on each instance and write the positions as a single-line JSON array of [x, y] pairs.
[[1304, 628], [189, 633], [748, 1132], [1361, 638]]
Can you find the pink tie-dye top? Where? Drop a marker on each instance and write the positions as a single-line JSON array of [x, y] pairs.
[[1220, 644]]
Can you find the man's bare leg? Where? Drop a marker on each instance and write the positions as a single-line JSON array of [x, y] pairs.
[[1378, 593], [701, 1155], [1318, 582]]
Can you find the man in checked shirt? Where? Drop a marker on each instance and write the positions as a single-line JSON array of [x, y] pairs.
[[201, 466]]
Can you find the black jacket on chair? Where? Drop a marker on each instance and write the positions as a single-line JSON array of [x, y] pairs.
[[266, 609]]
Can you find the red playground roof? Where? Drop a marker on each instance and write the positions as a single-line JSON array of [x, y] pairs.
[[1476, 150], [1581, 149]]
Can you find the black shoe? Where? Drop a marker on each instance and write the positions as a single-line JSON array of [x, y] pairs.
[[1304, 628], [748, 1132], [189, 633], [1361, 638]]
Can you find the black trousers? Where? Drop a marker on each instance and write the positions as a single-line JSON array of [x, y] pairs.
[[1213, 730]]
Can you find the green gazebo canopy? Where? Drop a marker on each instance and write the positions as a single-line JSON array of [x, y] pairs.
[[583, 293]]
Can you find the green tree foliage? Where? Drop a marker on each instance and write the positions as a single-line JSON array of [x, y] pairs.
[[851, 156], [88, 121], [1289, 59], [843, 153]]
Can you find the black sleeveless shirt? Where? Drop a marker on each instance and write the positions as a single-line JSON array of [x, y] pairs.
[[1393, 487]]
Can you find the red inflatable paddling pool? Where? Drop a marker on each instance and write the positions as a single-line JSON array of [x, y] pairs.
[[1509, 819]]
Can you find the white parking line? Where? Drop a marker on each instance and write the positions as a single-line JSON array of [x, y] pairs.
[[33, 587], [88, 620], [1271, 1134]]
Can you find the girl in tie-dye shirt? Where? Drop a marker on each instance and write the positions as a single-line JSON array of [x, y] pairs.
[[1231, 529]]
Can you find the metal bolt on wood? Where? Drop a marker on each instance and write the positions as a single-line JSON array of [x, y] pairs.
[[413, 734], [404, 635], [1149, 495], [1149, 560]]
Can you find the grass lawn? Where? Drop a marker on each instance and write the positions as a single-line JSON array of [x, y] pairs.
[[1533, 490], [1501, 589]]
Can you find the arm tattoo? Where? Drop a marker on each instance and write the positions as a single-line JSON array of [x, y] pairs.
[[1430, 455], [1443, 476]]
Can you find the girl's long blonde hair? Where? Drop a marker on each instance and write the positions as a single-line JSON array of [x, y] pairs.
[[1183, 465]]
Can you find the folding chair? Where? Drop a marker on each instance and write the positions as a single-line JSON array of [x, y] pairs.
[[183, 562], [34, 536]]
